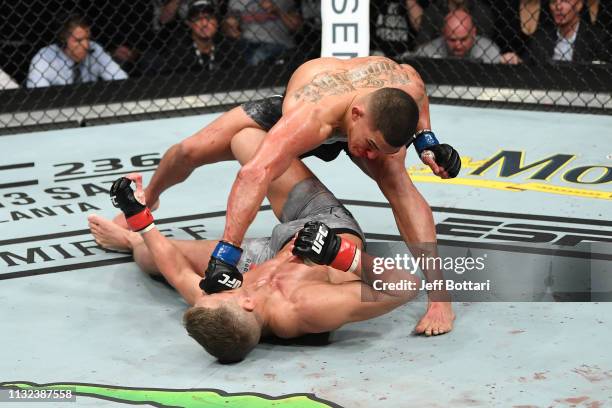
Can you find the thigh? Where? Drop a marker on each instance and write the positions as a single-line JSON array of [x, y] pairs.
[[244, 146]]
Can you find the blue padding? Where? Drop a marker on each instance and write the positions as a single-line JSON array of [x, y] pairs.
[[227, 253], [425, 140]]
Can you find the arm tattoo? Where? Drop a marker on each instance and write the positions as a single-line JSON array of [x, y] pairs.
[[376, 74]]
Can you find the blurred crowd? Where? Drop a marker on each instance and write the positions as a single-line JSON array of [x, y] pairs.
[[53, 42]]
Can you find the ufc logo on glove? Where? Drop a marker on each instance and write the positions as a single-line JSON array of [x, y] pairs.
[[318, 243], [233, 283]]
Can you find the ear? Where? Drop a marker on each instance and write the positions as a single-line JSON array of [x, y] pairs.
[[357, 112], [247, 303]]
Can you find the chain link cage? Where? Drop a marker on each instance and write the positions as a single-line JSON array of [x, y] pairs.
[[76, 63]]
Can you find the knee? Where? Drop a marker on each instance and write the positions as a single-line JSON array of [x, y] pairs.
[[245, 143], [187, 153]]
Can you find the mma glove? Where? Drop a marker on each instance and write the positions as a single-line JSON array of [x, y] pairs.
[[137, 215], [221, 273], [444, 155], [317, 243]]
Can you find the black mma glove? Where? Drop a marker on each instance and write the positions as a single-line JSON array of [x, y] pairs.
[[444, 155], [317, 243], [137, 215], [221, 273]]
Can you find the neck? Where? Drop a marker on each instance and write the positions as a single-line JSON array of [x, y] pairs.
[[204, 45], [346, 117], [569, 29], [262, 312]]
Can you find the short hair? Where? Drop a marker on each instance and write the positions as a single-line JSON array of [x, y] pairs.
[[225, 331], [395, 114]]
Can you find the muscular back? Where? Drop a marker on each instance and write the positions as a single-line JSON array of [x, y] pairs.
[[335, 81]]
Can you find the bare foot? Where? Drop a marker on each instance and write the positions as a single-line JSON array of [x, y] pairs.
[[437, 320], [110, 235]]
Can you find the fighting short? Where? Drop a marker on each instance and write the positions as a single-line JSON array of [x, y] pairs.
[[266, 112], [309, 200]]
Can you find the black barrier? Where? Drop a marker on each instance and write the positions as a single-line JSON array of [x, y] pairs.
[[145, 57]]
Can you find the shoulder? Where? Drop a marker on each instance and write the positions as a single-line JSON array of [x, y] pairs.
[[545, 32], [97, 48], [485, 42], [431, 48], [590, 32], [48, 52], [285, 321]]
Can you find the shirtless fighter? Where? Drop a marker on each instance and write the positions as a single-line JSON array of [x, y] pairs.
[[279, 295], [370, 107]]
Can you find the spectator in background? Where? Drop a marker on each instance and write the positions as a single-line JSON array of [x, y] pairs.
[[599, 14], [569, 40], [122, 27], [516, 21], [460, 40], [167, 12], [264, 27], [6, 82], [428, 21], [74, 59], [200, 47], [392, 33]]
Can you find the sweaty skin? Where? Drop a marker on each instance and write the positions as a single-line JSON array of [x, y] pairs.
[[290, 298], [326, 95], [319, 98], [323, 95]]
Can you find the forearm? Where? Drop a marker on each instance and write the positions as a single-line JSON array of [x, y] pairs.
[[415, 222], [174, 168], [172, 264], [244, 200], [415, 14], [424, 117]]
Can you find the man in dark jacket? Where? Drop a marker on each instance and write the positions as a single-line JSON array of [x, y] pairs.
[[568, 39], [201, 47]]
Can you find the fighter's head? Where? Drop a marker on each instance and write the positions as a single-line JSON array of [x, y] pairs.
[[382, 122], [225, 324]]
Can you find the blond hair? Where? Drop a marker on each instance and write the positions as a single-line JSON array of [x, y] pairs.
[[227, 332]]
